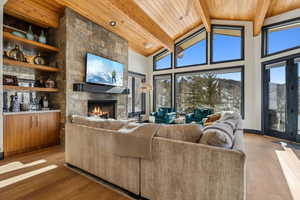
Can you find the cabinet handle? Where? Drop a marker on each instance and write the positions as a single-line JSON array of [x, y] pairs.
[[37, 121], [31, 121]]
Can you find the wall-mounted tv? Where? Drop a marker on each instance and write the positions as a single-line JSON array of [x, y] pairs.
[[103, 71]]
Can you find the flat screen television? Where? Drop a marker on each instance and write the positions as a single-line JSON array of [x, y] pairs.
[[103, 71]]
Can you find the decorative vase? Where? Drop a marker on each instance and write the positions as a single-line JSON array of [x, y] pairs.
[[42, 38], [29, 34], [17, 54], [39, 60]]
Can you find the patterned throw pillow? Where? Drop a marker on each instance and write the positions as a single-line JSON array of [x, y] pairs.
[[221, 133]]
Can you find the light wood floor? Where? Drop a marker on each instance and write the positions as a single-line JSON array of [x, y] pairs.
[[267, 178]]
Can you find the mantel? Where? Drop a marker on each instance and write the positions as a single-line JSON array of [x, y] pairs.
[[84, 87]]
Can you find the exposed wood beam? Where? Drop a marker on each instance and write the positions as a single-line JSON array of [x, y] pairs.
[[260, 15], [32, 12], [4, 2], [138, 15], [204, 14]]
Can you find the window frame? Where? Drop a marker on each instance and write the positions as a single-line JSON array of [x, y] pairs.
[[186, 39], [241, 67], [143, 96], [154, 89], [158, 54], [242, 43], [264, 40]]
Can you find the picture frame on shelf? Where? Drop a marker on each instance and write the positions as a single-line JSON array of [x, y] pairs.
[[10, 80]]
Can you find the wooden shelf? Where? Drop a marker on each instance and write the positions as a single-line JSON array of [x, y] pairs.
[[29, 44], [33, 89], [10, 62]]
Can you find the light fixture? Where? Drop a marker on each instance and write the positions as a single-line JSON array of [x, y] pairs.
[[148, 45], [113, 23]]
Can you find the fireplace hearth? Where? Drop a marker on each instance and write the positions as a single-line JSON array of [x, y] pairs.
[[102, 108]]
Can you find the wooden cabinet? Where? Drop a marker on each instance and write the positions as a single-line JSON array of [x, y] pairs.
[[27, 132]]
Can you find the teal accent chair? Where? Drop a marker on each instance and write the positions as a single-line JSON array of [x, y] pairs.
[[164, 115], [198, 115]]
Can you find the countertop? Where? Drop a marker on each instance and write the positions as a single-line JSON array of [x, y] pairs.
[[30, 112]]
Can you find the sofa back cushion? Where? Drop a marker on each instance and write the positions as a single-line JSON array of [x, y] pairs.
[[183, 132], [97, 122]]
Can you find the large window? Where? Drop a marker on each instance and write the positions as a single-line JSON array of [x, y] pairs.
[[281, 37], [192, 50], [162, 61], [162, 94], [227, 43], [220, 89], [136, 99]]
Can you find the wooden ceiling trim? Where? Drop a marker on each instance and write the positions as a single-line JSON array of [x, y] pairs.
[[261, 13], [134, 12], [204, 14], [33, 12]]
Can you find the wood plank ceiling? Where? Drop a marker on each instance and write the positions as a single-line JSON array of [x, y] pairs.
[[149, 25]]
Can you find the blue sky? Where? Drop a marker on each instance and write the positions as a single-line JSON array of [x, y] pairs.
[[281, 40], [277, 75]]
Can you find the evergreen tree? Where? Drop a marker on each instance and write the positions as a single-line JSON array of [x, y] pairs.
[[204, 91]]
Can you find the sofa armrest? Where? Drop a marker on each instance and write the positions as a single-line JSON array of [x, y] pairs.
[[171, 113], [90, 149], [194, 171]]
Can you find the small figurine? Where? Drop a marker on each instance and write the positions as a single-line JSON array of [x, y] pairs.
[[14, 103]]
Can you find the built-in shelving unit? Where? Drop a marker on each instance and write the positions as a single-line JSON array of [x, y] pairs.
[[41, 124], [11, 62], [32, 89], [29, 43]]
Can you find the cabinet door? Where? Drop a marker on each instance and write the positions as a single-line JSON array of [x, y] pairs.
[[49, 126], [16, 133], [26, 132]]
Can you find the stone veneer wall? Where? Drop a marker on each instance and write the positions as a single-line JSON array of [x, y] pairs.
[[75, 37]]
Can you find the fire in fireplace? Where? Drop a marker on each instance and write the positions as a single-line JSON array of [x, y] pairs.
[[103, 108], [97, 111]]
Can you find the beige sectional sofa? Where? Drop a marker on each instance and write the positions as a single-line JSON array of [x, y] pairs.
[[180, 168]]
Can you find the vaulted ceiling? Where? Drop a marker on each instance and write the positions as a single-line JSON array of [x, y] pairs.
[[150, 25]]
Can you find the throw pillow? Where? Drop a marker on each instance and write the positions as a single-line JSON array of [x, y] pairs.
[[220, 134]]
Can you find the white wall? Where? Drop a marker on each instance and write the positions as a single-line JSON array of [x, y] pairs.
[[139, 64]]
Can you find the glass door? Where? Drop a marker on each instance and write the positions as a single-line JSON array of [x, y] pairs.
[[280, 96], [276, 95], [297, 64]]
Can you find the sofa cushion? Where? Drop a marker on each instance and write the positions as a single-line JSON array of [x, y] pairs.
[[221, 132], [183, 132], [97, 122]]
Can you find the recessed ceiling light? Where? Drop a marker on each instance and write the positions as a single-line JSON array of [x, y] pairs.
[[148, 45], [113, 23]]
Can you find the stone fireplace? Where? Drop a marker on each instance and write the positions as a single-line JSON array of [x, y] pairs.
[[102, 108]]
